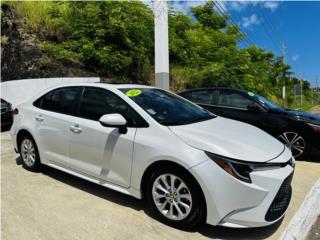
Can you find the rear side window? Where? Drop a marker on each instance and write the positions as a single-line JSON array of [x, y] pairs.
[[187, 95], [233, 99], [96, 102], [203, 96], [62, 100]]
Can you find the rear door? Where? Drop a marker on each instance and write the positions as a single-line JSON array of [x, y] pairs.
[[53, 117], [99, 151]]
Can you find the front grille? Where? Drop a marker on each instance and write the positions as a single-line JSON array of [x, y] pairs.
[[281, 201]]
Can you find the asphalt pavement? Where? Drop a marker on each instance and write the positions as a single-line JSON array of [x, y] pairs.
[[54, 205]]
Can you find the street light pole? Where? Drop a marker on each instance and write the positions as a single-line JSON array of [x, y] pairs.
[[161, 44], [284, 84]]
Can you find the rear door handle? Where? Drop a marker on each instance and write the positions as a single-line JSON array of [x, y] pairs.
[[39, 118], [75, 129]]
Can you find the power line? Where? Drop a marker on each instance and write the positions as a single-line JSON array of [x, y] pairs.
[[244, 35], [268, 30], [274, 29]]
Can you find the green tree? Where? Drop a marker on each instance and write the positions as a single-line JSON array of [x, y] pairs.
[[114, 39]]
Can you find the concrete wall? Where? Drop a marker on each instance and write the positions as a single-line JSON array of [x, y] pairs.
[[18, 91]]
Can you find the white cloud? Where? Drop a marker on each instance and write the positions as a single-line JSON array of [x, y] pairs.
[[227, 5], [271, 5], [295, 58], [185, 6], [242, 5], [237, 6], [250, 21]]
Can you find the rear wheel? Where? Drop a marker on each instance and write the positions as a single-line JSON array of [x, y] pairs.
[[29, 154], [175, 198], [296, 142]]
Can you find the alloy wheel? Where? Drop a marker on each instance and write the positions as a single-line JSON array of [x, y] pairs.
[[172, 197], [28, 152], [295, 142]]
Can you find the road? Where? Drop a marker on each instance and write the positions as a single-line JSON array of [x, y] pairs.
[[315, 109], [56, 206]]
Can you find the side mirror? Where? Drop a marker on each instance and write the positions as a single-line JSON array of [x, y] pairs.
[[114, 120], [253, 108]]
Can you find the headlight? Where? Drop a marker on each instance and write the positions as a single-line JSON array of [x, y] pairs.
[[238, 170], [241, 170], [315, 127]]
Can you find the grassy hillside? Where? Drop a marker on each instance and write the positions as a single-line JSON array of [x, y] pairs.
[[114, 40]]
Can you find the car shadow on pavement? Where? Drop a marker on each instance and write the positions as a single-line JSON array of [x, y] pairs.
[[140, 205]]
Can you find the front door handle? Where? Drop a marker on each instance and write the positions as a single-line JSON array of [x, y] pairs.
[[75, 129], [39, 118]]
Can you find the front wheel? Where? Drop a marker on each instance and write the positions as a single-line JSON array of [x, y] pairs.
[[296, 142], [29, 154], [176, 199]]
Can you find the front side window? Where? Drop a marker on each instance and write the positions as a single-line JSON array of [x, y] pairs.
[[268, 104], [233, 100], [62, 100], [96, 102], [167, 108]]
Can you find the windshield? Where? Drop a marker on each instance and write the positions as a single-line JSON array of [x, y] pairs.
[[167, 108], [268, 104]]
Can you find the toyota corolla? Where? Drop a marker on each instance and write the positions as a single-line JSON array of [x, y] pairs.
[[190, 165]]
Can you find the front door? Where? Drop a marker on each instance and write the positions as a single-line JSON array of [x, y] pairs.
[[234, 105], [99, 151]]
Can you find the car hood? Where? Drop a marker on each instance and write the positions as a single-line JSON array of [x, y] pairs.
[[304, 116], [231, 139]]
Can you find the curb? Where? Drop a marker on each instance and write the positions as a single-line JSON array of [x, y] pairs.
[[302, 221]]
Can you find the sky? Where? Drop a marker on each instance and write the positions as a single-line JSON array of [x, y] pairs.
[[296, 24]]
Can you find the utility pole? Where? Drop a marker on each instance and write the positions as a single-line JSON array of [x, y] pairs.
[[317, 91], [283, 46], [161, 44], [314, 92], [301, 94]]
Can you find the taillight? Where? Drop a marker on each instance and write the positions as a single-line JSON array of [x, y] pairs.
[[15, 111]]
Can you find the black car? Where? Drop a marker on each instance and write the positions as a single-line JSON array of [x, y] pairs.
[[6, 115], [299, 130]]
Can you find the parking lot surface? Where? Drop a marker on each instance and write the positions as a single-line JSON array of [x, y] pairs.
[[55, 205]]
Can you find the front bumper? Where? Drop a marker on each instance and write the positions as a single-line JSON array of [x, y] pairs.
[[233, 203]]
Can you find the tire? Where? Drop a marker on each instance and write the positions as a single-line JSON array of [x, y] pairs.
[[29, 154], [186, 192], [297, 143]]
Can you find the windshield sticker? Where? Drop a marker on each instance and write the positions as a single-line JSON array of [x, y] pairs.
[[251, 94], [133, 92]]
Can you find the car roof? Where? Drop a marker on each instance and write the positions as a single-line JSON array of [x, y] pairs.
[[104, 85], [215, 88]]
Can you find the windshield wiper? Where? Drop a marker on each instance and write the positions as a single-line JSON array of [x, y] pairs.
[[194, 120], [172, 123]]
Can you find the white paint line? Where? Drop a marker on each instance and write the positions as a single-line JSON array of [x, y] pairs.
[[305, 217]]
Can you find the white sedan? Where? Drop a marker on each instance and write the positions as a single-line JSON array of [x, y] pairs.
[[190, 165]]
